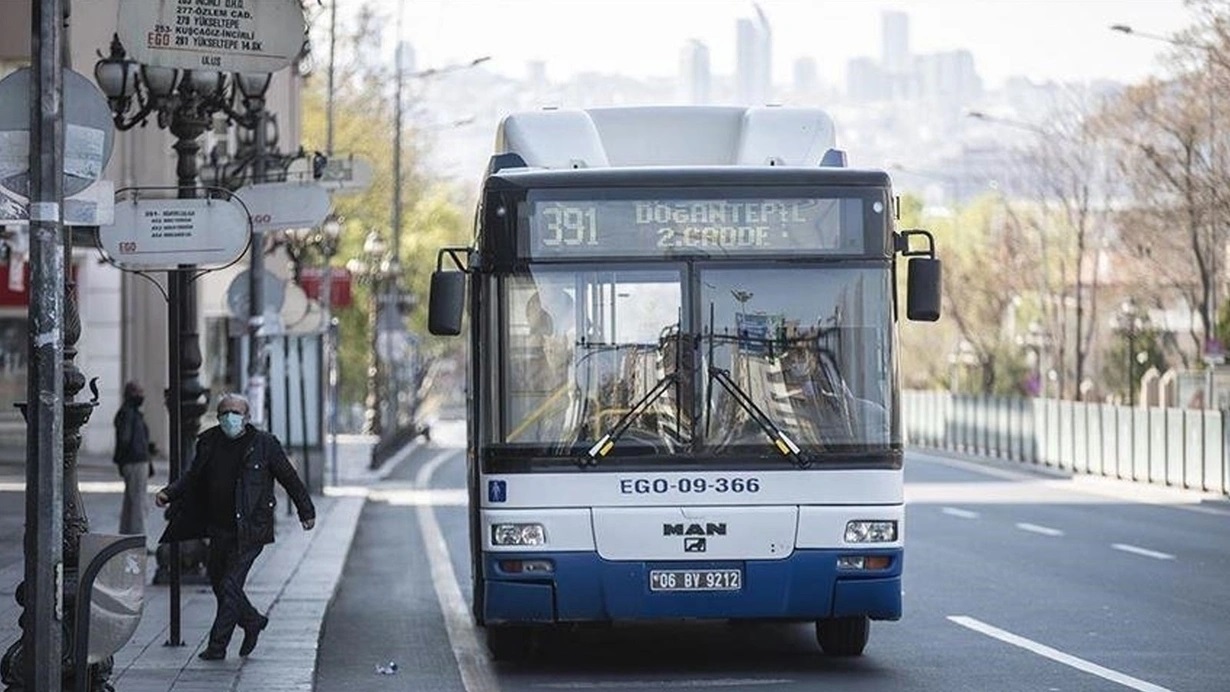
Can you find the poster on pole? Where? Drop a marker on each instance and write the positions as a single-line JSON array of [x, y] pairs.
[[221, 35], [89, 135], [94, 206]]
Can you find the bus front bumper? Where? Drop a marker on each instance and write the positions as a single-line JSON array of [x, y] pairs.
[[583, 587]]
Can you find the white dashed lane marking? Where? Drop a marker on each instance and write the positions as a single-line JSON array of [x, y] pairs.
[[1142, 551], [1034, 528], [1056, 655]]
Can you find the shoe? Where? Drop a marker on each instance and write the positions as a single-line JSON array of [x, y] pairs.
[[212, 654], [250, 636]]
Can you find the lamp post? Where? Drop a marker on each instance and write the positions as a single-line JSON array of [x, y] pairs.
[[962, 357], [52, 533], [1044, 138], [951, 182], [331, 234], [400, 78], [183, 102], [1131, 322], [374, 269]]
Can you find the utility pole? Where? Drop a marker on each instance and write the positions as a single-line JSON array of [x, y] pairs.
[[42, 640], [332, 67], [400, 72], [256, 287]]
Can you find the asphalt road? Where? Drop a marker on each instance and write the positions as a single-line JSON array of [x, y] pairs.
[[1013, 581]]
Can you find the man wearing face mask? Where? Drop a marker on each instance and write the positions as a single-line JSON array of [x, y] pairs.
[[227, 496]]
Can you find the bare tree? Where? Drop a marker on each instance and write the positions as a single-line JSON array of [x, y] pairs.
[[1162, 134], [1172, 155]]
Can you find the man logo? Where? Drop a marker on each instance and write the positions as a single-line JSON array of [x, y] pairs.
[[694, 545], [707, 529]]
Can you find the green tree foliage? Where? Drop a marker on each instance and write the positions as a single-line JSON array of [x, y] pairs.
[[433, 215], [973, 346]]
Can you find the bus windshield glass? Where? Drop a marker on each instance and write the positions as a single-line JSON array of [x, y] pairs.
[[684, 358]]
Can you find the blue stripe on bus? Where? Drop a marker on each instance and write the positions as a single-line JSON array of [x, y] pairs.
[[586, 588]]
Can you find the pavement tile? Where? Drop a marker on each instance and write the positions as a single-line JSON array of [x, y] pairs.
[[292, 581]]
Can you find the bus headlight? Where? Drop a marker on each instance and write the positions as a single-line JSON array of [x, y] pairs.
[[518, 534], [867, 531]]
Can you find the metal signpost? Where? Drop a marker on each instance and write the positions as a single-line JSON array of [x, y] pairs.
[[160, 234], [185, 60], [55, 140], [272, 207]]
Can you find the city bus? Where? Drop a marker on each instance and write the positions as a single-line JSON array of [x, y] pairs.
[[683, 376]]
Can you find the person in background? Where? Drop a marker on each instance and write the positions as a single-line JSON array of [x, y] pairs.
[[133, 451], [227, 496]]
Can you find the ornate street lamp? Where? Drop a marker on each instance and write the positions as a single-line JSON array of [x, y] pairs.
[[183, 102], [1131, 323], [1037, 341], [374, 268], [304, 245]]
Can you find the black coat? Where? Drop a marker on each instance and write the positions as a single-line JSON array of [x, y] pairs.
[[263, 461], [131, 435]]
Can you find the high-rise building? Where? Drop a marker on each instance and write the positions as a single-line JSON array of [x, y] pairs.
[[806, 76], [754, 66], [865, 80], [895, 42], [948, 78], [694, 73], [405, 57]]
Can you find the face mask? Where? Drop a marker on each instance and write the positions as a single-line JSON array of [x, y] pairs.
[[137, 400], [232, 424]]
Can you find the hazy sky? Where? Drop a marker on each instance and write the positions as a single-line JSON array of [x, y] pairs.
[[1041, 39]]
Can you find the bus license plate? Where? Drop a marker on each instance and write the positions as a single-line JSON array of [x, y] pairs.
[[695, 580]]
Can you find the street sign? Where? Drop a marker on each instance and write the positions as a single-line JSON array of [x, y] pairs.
[[163, 234], [273, 292], [339, 174], [218, 35], [89, 135], [95, 206], [279, 206], [312, 281]]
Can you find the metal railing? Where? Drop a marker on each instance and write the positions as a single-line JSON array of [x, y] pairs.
[[1183, 448]]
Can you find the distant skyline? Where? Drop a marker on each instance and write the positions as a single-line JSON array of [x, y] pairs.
[[1061, 40]]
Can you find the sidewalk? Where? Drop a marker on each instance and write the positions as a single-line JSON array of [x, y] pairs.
[[292, 582]]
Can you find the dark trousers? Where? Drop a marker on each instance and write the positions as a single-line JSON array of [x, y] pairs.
[[227, 568]]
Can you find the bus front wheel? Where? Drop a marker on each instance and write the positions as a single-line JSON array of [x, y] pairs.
[[844, 636], [509, 642]]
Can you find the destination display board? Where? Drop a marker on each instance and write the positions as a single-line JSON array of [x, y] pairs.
[[651, 228]]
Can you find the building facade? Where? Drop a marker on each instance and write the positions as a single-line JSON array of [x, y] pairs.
[[124, 316]]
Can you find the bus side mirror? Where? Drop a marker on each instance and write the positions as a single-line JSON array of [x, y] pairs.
[[447, 301], [923, 290]]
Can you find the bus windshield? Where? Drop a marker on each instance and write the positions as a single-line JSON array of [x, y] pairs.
[[692, 358]]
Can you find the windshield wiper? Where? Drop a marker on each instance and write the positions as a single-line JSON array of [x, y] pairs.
[[604, 445], [780, 440]]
